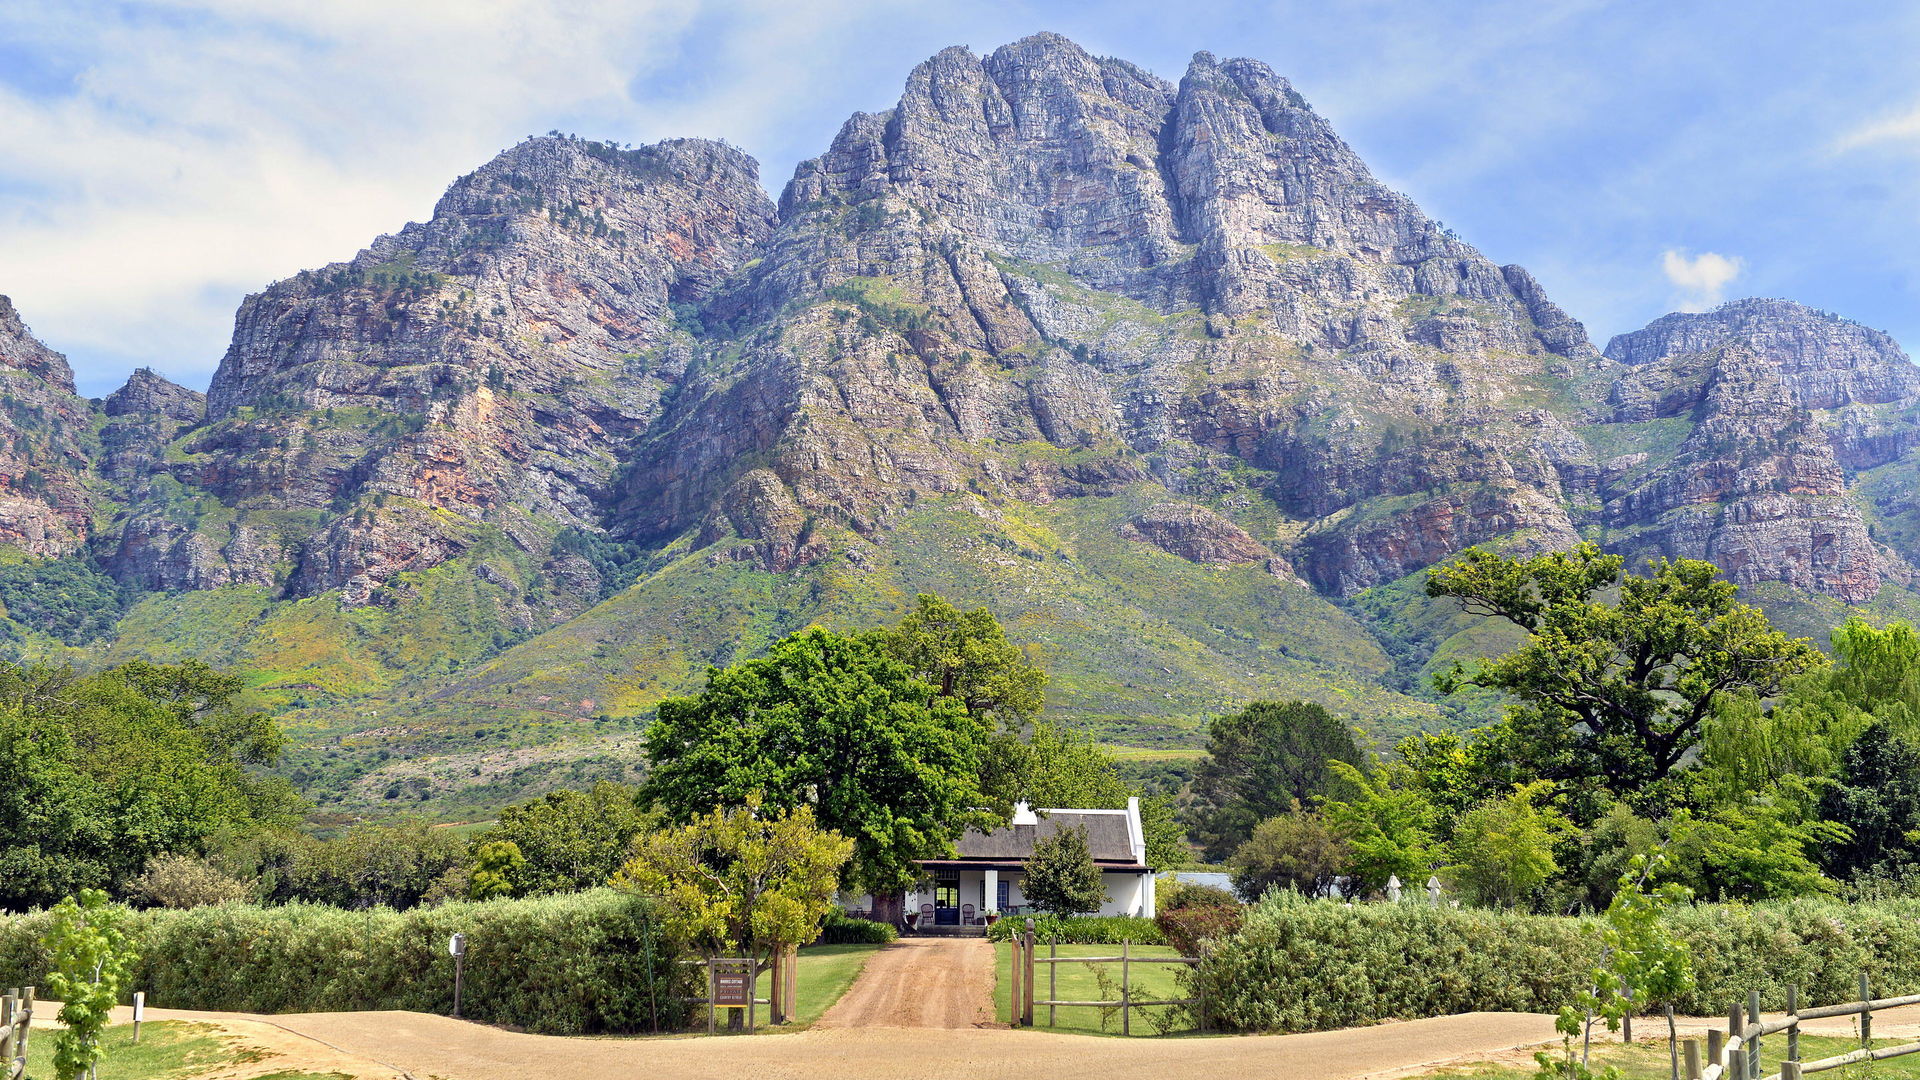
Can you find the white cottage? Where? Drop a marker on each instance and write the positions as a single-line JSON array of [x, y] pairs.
[[989, 868]]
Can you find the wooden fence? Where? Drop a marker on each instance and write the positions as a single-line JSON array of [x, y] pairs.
[[1025, 961], [16, 1015], [1735, 1054]]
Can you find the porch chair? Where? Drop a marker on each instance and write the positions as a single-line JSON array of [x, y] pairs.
[[966, 914], [926, 915]]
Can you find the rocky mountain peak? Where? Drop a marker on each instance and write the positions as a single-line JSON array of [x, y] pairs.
[[147, 392], [20, 350], [1828, 360]]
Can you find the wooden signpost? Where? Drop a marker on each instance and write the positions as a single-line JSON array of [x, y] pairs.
[[733, 979]]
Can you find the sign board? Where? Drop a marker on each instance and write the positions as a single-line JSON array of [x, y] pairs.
[[733, 981], [139, 1005], [457, 945]]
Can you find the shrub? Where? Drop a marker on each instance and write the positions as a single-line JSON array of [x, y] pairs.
[[1309, 965], [560, 965], [1082, 929], [183, 881], [1186, 928], [842, 929]]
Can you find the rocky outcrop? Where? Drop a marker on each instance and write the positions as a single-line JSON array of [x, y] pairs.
[[45, 507], [1784, 402], [1195, 534], [1829, 362], [1755, 487], [142, 418]]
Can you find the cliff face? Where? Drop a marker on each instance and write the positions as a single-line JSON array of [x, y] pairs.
[[1784, 403], [491, 365], [1158, 370], [1042, 248], [45, 507]]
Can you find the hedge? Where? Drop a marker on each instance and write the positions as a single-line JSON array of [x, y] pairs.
[[1082, 929], [841, 929], [562, 965], [1310, 965]]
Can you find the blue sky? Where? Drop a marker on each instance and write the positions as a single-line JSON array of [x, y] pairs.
[[161, 158]]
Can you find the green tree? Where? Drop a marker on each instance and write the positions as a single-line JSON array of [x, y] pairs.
[[1388, 826], [1642, 964], [1457, 771], [1260, 761], [1615, 693], [1758, 850], [91, 957], [498, 867], [966, 656], [1296, 850], [1502, 849], [398, 864], [1877, 800], [186, 881], [836, 724], [108, 770], [743, 877], [1061, 875], [574, 839]]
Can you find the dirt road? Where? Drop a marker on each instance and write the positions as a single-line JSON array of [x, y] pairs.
[[920, 983], [414, 1046]]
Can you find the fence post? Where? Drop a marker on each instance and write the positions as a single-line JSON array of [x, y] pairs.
[[1126, 993], [1626, 1018], [1013, 967], [1735, 1068], [9, 1009], [1032, 940], [1692, 1048], [26, 1032], [777, 991], [1789, 1070], [1053, 976], [1793, 1022], [1866, 1013], [1753, 1044], [1715, 1041]]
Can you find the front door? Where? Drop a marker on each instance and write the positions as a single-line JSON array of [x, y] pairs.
[[946, 898]]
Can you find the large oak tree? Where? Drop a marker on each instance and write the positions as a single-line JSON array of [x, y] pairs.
[[838, 724], [1616, 692]]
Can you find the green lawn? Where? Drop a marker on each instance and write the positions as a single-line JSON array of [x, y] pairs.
[[1651, 1061], [1077, 982], [825, 973], [168, 1050]]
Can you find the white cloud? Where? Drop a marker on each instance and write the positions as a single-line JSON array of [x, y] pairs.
[[1700, 281], [184, 152], [1897, 127]]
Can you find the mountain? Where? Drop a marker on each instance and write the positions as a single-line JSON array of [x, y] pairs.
[[1159, 372]]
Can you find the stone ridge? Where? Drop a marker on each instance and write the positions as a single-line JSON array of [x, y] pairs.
[[1041, 276], [46, 509]]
